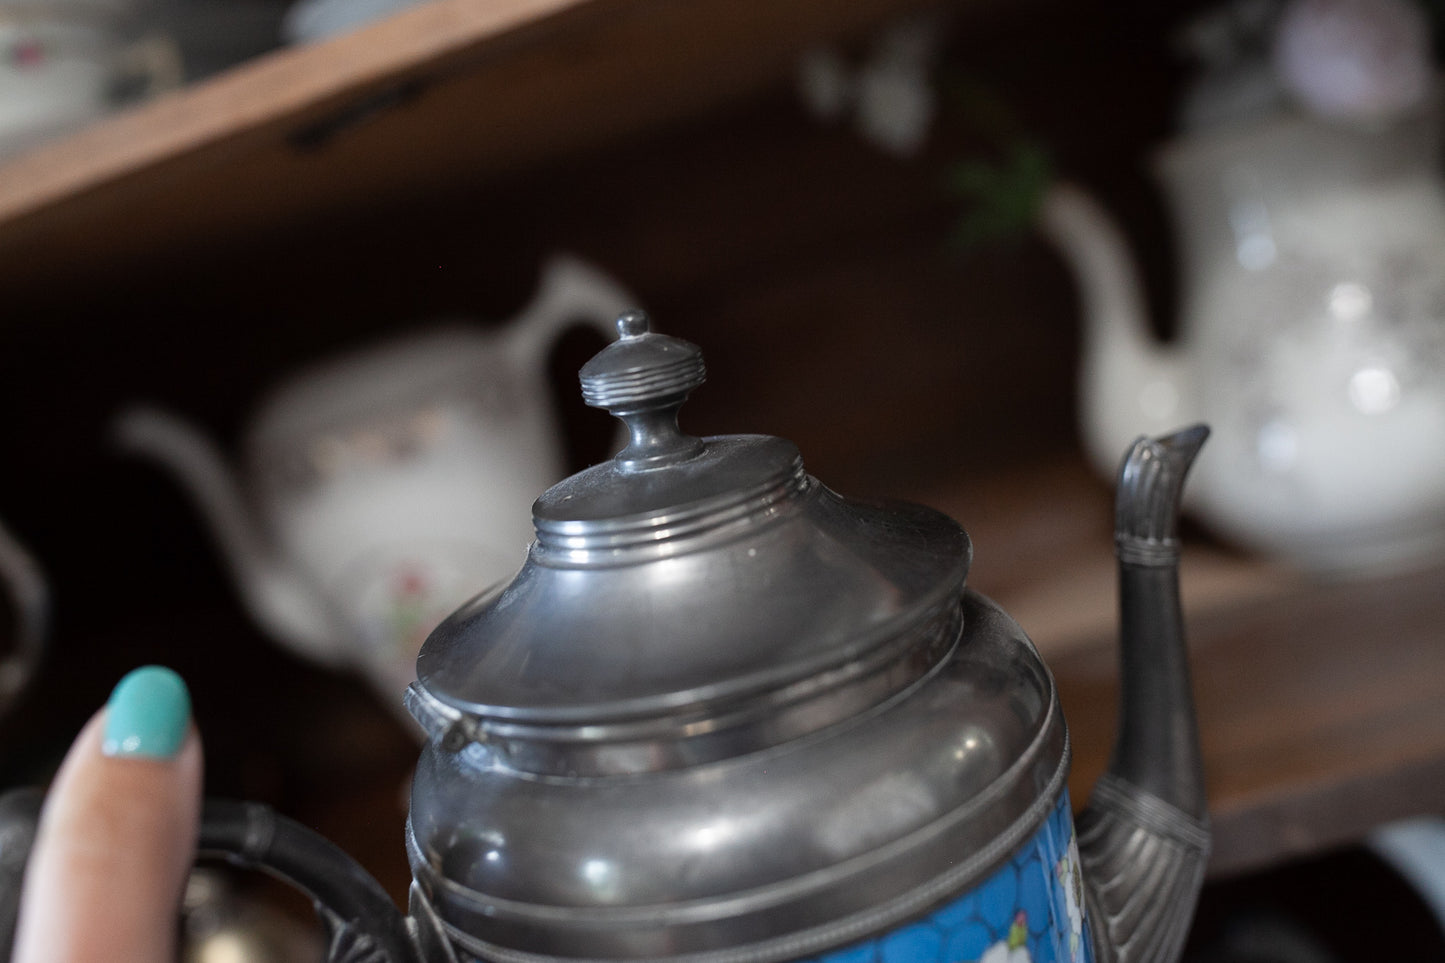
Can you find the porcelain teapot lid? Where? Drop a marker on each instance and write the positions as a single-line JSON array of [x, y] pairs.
[[693, 583]]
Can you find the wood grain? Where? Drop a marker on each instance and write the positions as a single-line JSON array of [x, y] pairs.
[[1322, 714]]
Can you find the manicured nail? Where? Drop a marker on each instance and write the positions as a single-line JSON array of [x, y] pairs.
[[147, 715]]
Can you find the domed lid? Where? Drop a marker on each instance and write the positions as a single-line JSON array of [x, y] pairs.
[[692, 587]]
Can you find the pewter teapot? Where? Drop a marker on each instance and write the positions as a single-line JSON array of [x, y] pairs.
[[724, 714]]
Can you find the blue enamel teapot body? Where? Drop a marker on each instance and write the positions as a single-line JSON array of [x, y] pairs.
[[723, 715]]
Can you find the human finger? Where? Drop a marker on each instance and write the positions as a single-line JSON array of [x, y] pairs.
[[117, 834]]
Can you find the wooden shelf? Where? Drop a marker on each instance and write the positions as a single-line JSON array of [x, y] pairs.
[[445, 94], [1043, 537], [1322, 715]]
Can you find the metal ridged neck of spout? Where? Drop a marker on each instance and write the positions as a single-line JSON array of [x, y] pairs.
[[643, 378], [1146, 509]]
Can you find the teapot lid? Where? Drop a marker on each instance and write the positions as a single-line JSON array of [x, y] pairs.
[[689, 583]]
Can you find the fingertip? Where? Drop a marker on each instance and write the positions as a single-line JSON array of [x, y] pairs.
[[148, 715]]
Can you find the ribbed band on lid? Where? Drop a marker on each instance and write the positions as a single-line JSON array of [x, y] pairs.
[[643, 378], [641, 368]]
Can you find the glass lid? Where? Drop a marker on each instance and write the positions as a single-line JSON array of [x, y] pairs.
[[686, 577]]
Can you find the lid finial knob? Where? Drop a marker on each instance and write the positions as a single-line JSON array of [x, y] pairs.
[[632, 324], [644, 378]]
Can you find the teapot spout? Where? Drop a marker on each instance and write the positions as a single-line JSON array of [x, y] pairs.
[[1144, 835], [1129, 383], [275, 595]]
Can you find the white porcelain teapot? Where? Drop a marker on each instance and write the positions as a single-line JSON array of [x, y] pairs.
[[1311, 334], [381, 489]]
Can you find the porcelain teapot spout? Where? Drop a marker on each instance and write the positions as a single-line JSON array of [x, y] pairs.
[[278, 596], [1129, 382]]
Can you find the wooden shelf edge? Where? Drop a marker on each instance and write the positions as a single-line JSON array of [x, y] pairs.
[[275, 88], [1298, 821], [426, 107]]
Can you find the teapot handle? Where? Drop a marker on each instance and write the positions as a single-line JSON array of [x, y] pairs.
[[30, 598], [362, 924], [19, 819], [571, 291]]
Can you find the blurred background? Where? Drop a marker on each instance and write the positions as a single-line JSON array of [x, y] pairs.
[[275, 274]]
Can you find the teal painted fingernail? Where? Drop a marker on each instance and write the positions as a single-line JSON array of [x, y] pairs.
[[147, 715]]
